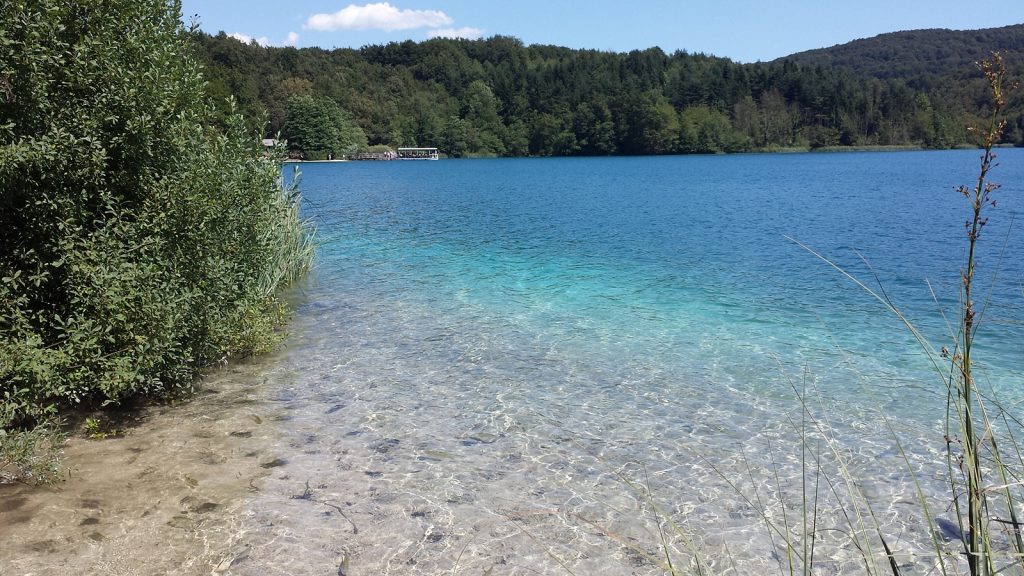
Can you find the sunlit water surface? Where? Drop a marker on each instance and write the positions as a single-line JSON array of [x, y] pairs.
[[558, 366]]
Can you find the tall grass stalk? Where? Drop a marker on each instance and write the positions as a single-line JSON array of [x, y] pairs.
[[975, 455], [966, 401]]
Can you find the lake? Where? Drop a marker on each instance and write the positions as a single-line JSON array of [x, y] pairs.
[[553, 366], [511, 352]]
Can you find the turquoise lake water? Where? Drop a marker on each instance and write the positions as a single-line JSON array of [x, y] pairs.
[[686, 262], [495, 360]]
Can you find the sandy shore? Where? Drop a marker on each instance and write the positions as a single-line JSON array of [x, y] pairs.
[[164, 497]]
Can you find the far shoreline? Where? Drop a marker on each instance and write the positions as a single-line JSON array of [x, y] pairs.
[[787, 150]]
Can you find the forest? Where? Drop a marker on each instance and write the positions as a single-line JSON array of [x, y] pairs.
[[499, 97]]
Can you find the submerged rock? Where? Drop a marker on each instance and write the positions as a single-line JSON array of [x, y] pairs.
[[385, 446], [480, 438]]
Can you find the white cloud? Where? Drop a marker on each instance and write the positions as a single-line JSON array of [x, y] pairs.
[[379, 16], [262, 40], [464, 32], [293, 38]]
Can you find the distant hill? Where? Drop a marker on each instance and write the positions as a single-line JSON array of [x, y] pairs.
[[920, 56], [500, 97]]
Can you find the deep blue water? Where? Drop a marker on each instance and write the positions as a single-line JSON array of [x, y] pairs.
[[487, 338]]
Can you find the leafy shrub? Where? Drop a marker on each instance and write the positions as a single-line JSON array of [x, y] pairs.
[[137, 244]]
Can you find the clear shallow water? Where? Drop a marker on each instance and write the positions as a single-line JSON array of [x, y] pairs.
[[505, 365], [504, 338]]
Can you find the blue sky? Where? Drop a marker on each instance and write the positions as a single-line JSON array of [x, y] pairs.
[[744, 30]]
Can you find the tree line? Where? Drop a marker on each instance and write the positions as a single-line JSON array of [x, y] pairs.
[[499, 97]]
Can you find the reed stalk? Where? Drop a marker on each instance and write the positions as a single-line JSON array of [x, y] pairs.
[[965, 398], [985, 467]]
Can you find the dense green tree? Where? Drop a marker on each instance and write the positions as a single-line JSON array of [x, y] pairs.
[[517, 139], [746, 118], [820, 136], [551, 136], [651, 125], [456, 137], [777, 119], [595, 129], [138, 244], [317, 127], [480, 109], [705, 129]]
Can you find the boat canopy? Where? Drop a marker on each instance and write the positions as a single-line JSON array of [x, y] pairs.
[[418, 154]]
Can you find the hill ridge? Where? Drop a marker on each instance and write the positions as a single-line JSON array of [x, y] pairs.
[[912, 54]]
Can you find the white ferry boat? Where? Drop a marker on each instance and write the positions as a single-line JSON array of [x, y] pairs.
[[418, 154]]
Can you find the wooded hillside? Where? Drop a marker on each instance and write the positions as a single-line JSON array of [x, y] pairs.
[[500, 97], [916, 54]]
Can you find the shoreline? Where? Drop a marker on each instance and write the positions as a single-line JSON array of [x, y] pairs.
[[788, 150], [290, 161], [180, 479]]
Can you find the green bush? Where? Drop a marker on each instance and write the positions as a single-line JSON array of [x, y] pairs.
[[137, 244]]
